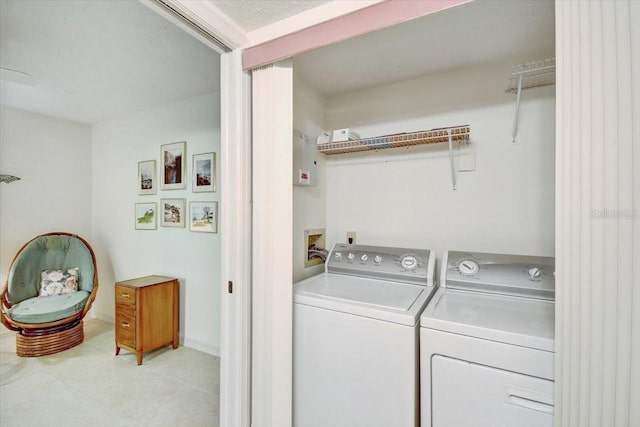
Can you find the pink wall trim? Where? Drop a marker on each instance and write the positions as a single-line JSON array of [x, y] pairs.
[[374, 17]]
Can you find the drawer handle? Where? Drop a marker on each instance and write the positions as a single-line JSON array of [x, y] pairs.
[[530, 399], [124, 295], [125, 324], [528, 403]]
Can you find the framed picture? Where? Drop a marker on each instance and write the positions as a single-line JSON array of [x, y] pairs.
[[203, 217], [204, 172], [172, 212], [147, 177], [146, 218], [173, 166]]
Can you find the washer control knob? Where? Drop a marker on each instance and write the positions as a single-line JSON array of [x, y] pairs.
[[351, 256], [468, 267], [338, 256], [534, 272], [364, 258], [409, 262], [377, 259]]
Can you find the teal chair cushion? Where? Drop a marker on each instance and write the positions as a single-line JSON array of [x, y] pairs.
[[55, 252], [48, 309]]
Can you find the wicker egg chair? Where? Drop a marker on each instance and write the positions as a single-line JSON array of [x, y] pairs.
[[48, 324]]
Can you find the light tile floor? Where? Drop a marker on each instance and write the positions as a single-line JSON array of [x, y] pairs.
[[89, 386]]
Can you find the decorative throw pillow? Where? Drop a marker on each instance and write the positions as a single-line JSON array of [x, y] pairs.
[[58, 282]]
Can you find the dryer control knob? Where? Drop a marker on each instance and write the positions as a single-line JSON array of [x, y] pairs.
[[534, 272], [409, 262], [468, 267], [378, 259], [351, 256], [338, 256], [364, 258]]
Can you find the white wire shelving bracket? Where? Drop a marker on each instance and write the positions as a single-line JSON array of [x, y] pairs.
[[527, 76], [453, 169], [460, 134]]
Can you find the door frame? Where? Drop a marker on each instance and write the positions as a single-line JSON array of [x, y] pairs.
[[236, 224]]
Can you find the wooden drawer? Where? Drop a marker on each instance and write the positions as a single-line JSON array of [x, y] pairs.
[[126, 327], [125, 296], [125, 310]]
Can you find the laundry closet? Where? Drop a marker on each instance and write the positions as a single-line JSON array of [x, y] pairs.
[[492, 190]]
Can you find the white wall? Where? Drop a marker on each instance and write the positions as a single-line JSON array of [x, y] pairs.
[[309, 203], [404, 197], [53, 158], [125, 253]]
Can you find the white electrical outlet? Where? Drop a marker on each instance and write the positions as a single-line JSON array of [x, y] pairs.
[[351, 237]]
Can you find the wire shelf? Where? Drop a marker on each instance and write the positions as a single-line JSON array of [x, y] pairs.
[[458, 133], [534, 74]]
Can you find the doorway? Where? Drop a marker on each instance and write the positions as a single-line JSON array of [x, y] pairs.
[[108, 85]]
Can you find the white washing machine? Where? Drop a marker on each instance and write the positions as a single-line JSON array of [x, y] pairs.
[[355, 338], [487, 343]]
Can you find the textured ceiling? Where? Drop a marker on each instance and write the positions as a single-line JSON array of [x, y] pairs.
[[478, 32], [95, 60], [253, 14]]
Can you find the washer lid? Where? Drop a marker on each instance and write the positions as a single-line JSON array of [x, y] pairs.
[[380, 299], [519, 321]]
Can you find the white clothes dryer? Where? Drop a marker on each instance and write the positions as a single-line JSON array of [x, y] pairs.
[[487, 343], [355, 338]]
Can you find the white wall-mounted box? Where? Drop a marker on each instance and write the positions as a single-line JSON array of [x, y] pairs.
[[304, 160]]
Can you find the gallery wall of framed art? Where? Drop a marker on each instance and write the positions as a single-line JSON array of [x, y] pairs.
[[176, 212]]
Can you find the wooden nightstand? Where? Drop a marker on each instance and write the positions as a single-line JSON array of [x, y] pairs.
[[147, 314]]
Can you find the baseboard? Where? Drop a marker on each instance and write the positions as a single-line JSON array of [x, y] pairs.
[[185, 341], [101, 316], [201, 346]]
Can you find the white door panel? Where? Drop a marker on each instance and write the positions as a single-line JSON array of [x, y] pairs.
[[465, 394]]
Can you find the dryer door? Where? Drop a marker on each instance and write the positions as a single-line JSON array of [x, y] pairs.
[[469, 395]]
